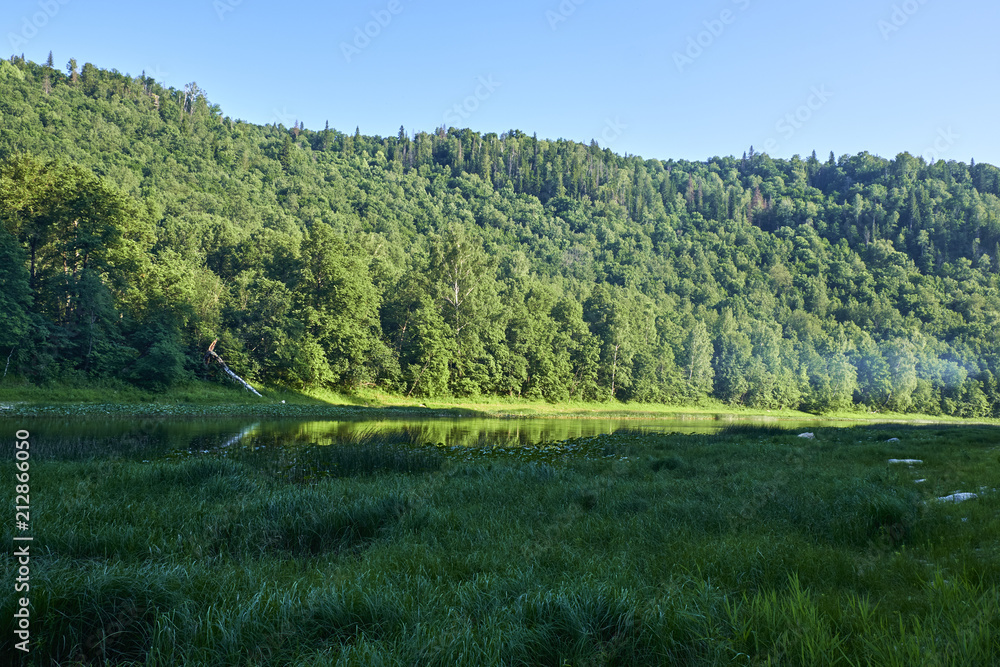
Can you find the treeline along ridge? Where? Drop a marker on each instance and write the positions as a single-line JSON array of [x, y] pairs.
[[139, 223]]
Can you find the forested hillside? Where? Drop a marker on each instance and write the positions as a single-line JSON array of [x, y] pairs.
[[140, 222]]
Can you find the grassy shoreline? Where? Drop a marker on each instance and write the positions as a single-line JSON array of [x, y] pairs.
[[747, 547], [209, 400]]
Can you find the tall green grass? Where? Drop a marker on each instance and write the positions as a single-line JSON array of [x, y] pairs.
[[748, 547], [356, 455]]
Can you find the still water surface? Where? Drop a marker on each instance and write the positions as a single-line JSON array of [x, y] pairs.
[[163, 436]]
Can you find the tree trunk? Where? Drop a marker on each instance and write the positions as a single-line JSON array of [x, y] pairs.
[[212, 356], [614, 370]]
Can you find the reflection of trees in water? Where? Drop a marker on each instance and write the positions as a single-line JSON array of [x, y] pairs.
[[479, 432], [152, 438], [242, 434]]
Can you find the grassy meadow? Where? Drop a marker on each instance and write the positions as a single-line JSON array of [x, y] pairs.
[[749, 547]]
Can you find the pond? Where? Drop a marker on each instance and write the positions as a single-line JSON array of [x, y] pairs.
[[145, 438]]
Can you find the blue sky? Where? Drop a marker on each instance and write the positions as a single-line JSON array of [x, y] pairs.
[[657, 79]]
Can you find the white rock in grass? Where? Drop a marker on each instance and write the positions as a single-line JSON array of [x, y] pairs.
[[957, 497], [919, 481], [893, 440], [807, 435], [908, 462]]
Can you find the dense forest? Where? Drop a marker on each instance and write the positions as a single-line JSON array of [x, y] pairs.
[[138, 223]]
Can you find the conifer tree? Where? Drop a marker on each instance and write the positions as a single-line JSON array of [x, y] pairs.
[[285, 156]]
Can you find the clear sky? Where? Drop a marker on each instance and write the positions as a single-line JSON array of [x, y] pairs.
[[659, 79]]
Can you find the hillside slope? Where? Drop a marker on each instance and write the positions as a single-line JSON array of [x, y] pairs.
[[457, 263]]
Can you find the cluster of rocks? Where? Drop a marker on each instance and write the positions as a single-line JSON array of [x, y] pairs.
[[956, 497]]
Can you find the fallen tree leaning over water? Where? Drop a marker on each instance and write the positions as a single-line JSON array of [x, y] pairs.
[[212, 355]]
